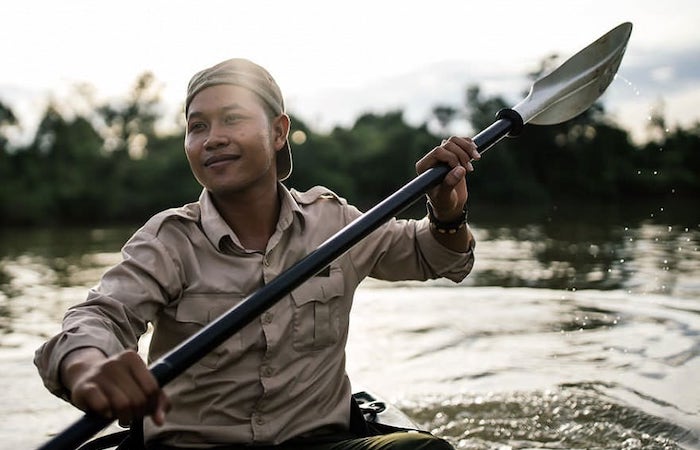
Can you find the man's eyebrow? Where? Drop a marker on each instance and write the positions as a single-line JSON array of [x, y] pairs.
[[223, 109]]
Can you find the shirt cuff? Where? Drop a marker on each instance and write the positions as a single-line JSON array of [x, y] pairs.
[[446, 262], [49, 356]]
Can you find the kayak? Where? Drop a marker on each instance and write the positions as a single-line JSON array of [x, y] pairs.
[[375, 410], [378, 411]]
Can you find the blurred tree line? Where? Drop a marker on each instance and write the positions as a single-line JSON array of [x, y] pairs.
[[109, 164]]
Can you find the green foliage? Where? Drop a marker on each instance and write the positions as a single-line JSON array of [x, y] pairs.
[[102, 167], [319, 160], [110, 165], [7, 120], [364, 163]]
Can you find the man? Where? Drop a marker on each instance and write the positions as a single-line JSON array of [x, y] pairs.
[[281, 380]]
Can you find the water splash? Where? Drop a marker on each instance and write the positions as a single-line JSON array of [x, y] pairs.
[[573, 416]]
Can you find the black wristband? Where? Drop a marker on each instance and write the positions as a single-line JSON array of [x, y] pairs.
[[446, 227]]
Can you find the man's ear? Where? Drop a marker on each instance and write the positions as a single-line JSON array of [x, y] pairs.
[[280, 128]]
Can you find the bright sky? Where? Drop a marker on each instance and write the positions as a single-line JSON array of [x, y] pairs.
[[335, 60]]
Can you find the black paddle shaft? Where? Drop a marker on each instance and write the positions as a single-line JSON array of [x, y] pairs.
[[175, 362]]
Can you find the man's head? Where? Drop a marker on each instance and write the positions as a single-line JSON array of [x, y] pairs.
[[246, 74]]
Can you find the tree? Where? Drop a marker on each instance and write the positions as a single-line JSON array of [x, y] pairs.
[[381, 152], [127, 128], [7, 122], [320, 160], [445, 115], [63, 175], [83, 164]]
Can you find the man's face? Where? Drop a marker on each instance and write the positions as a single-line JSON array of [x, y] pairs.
[[230, 141]]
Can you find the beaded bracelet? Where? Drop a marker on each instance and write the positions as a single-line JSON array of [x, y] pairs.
[[446, 227]]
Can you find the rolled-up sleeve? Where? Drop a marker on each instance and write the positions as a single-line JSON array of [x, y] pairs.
[[447, 263], [407, 250]]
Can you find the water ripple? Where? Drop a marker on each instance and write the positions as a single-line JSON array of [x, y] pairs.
[[571, 416]]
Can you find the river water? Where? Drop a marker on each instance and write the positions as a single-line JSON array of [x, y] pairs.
[[576, 330]]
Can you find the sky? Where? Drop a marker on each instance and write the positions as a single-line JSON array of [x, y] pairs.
[[336, 60]]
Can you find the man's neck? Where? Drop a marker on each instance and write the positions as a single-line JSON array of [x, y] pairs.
[[252, 216]]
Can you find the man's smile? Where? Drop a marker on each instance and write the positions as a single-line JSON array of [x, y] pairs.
[[220, 159]]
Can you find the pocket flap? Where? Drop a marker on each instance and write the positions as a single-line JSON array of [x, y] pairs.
[[204, 308], [320, 288]]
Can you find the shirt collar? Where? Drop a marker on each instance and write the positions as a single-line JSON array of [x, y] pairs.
[[217, 230]]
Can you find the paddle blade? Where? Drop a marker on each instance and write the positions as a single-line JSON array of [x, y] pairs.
[[574, 86]]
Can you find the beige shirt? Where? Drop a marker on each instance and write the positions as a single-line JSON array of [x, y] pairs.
[[283, 375]]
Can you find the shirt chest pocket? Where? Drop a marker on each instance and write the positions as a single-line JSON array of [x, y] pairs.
[[195, 311], [317, 311]]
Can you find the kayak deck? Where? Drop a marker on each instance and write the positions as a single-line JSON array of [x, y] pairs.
[[373, 408]]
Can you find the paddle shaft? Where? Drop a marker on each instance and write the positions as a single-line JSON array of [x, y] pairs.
[[191, 350]]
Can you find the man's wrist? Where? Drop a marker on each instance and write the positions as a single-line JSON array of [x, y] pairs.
[[451, 226], [75, 363]]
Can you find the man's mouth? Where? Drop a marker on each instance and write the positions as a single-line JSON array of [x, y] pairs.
[[216, 159]]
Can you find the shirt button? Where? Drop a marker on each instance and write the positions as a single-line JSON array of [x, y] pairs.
[[267, 371], [266, 261], [267, 318], [259, 420]]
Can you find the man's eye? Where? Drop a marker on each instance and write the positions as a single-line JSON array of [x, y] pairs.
[[232, 118], [196, 126]]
